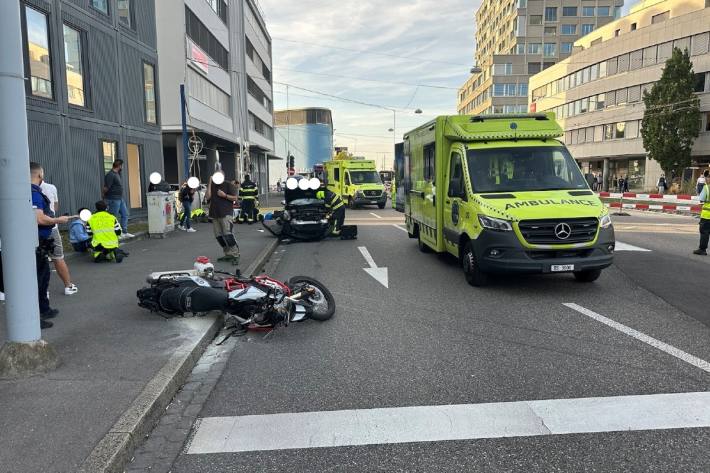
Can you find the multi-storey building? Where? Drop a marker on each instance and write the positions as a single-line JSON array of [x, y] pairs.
[[307, 135], [92, 95], [518, 38], [597, 93], [221, 51]]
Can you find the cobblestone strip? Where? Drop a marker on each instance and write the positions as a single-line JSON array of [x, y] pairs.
[[163, 445]]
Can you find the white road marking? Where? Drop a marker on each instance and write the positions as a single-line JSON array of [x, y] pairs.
[[664, 347], [401, 228], [373, 213], [450, 422], [621, 246], [379, 274]]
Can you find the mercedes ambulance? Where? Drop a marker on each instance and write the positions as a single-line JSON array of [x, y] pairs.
[[502, 194], [356, 181]]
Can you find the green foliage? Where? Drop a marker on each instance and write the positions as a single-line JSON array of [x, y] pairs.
[[671, 121]]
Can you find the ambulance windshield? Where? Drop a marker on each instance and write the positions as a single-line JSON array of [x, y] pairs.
[[534, 168], [365, 177]]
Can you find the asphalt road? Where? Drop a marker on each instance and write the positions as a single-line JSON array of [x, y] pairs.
[[429, 339]]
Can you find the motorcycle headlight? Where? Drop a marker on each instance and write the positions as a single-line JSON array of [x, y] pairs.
[[496, 224], [605, 221]]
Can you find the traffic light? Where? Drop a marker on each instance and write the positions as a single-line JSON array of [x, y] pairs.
[[291, 162]]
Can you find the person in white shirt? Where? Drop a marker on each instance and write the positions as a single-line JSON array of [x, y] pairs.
[[57, 256], [702, 180]]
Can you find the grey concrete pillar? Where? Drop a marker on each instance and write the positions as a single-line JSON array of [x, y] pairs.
[[605, 175], [211, 160], [179, 157]]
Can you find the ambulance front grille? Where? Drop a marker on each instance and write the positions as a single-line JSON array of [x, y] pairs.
[[372, 193], [545, 232]]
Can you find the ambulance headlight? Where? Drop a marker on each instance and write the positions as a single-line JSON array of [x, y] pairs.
[[496, 224], [605, 221]]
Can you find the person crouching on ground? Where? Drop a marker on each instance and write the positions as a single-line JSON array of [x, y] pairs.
[[104, 230], [78, 236]]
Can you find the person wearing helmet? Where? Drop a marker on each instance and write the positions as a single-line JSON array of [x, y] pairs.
[[335, 206], [248, 193]]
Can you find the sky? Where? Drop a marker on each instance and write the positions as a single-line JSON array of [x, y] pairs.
[[413, 53]]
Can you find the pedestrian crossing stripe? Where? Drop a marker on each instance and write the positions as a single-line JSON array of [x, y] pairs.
[[305, 430], [621, 246]]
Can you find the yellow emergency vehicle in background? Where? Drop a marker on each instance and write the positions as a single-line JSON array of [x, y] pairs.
[[502, 194], [356, 181]]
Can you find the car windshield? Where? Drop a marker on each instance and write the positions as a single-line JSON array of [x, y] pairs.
[[305, 201], [365, 177], [531, 168]]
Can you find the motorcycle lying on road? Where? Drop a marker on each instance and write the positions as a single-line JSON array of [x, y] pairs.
[[259, 302]]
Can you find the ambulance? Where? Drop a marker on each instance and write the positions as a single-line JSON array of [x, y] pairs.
[[356, 181], [503, 195]]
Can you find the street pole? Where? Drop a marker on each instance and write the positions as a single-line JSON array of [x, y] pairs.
[[185, 152], [24, 352]]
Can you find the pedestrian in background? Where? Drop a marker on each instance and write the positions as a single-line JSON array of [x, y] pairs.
[[702, 180], [221, 198], [704, 221], [45, 222], [278, 185], [187, 194], [113, 194], [57, 254], [595, 182], [662, 184]]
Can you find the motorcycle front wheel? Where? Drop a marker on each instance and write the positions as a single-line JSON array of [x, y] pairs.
[[321, 305]]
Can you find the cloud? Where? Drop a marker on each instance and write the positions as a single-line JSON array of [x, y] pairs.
[[392, 43]]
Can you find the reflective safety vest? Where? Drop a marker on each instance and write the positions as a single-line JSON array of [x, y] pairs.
[[102, 226], [705, 214], [248, 191], [332, 200]]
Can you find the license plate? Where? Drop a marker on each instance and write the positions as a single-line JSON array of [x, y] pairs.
[[561, 268]]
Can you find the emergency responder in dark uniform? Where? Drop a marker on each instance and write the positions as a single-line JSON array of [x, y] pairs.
[[335, 205], [248, 194], [45, 222]]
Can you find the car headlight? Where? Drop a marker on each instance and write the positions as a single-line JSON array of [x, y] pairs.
[[605, 221], [496, 224]]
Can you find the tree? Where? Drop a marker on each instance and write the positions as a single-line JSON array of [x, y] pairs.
[[343, 155], [671, 121]]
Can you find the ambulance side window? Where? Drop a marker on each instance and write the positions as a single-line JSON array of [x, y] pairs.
[[456, 179], [347, 179], [336, 174], [430, 163]]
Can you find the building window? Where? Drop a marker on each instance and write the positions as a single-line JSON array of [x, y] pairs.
[[600, 101], [520, 48], [661, 17], [503, 69], [609, 131], [200, 34], [534, 67], [522, 90], [699, 82], [587, 11], [256, 92], [565, 48], [74, 64], [569, 11], [38, 54], [617, 32], [550, 31], [569, 29], [603, 11], [587, 28], [220, 8], [522, 3], [207, 93], [707, 121], [550, 13], [125, 12], [100, 5], [149, 93], [535, 19], [534, 48], [620, 130], [108, 154], [617, 12], [259, 126], [633, 26], [550, 50]]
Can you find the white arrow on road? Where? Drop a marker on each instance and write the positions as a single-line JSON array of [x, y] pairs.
[[380, 274]]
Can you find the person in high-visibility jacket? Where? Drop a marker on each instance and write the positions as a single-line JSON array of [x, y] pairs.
[[335, 205], [248, 193], [104, 230], [704, 222]]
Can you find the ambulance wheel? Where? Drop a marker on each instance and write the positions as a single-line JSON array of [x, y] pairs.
[[588, 276], [422, 246], [474, 276], [382, 205]]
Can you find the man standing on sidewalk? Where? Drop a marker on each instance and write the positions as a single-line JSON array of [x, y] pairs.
[[57, 255], [45, 222], [221, 198], [704, 221], [113, 194]]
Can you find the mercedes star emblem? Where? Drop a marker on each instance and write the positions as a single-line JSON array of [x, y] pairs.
[[563, 231]]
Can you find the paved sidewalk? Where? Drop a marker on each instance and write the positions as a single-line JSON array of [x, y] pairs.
[[110, 349]]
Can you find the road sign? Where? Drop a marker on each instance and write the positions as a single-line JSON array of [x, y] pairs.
[[195, 144], [291, 172]]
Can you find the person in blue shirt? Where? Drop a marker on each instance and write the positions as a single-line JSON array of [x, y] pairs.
[[78, 236], [45, 222]]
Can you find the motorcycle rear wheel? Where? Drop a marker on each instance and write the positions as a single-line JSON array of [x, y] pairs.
[[322, 303]]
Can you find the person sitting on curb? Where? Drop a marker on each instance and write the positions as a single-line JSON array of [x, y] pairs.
[[104, 230], [78, 237]]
